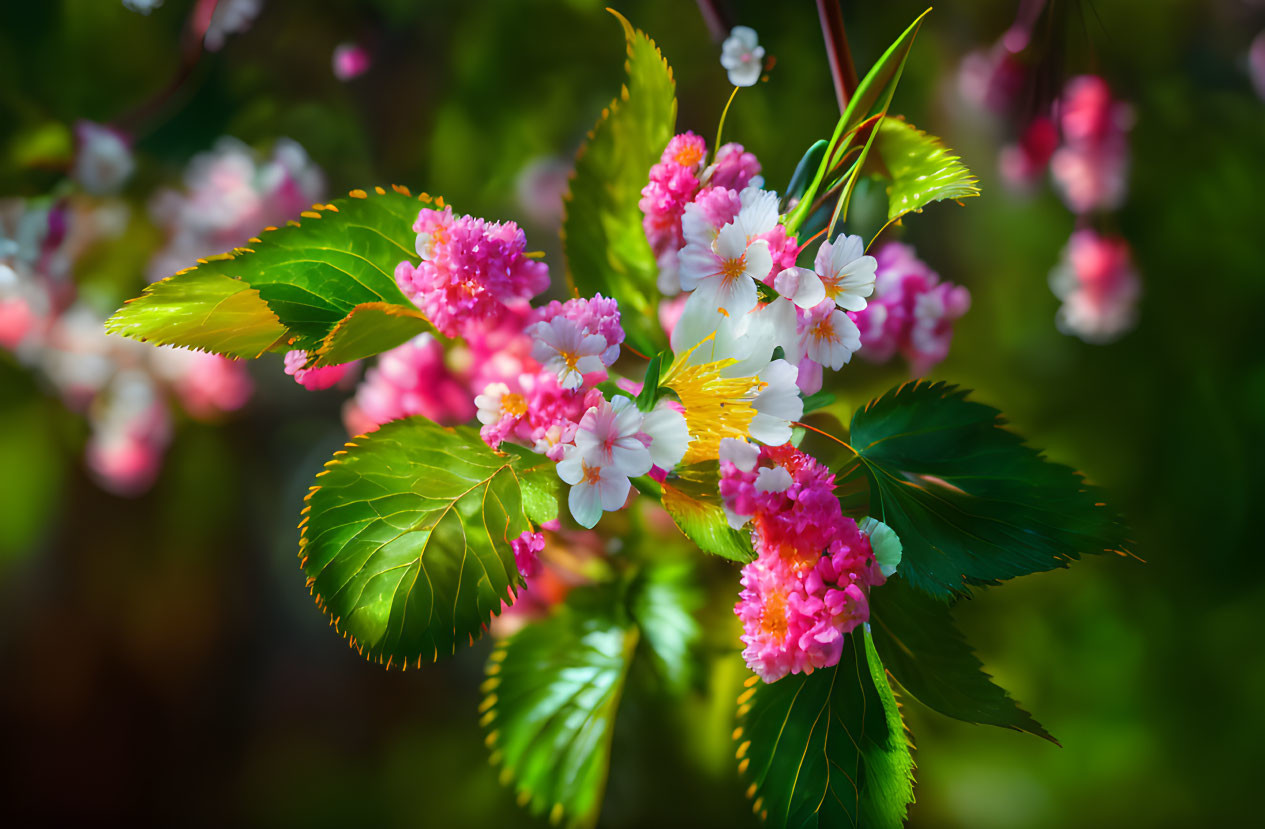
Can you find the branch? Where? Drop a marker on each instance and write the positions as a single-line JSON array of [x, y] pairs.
[[842, 70]]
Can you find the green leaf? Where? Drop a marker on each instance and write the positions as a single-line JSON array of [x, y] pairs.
[[692, 502], [971, 502], [304, 286], [922, 169], [872, 95], [805, 169], [818, 400], [370, 328], [406, 539], [602, 234], [827, 749], [552, 691], [663, 600], [915, 637], [204, 310], [650, 384]]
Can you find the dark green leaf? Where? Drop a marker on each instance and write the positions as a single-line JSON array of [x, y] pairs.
[[819, 400], [663, 600], [827, 749], [805, 169], [922, 169], [551, 696], [293, 287], [692, 502], [650, 385], [971, 502], [602, 234], [916, 638], [406, 540]]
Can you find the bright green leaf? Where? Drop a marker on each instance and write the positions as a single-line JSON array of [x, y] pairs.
[[692, 502], [369, 329], [971, 502], [827, 749], [406, 543], [922, 169], [602, 234], [663, 600], [551, 696], [292, 287], [915, 636]]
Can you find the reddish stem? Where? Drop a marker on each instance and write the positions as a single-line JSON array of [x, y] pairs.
[[842, 70], [717, 20]]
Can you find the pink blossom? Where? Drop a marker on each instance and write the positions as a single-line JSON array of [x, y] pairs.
[[315, 379], [410, 379], [576, 339], [470, 270], [809, 584], [1023, 164], [1099, 287], [911, 312], [527, 548], [1256, 64], [207, 385], [673, 183], [131, 427], [1090, 168], [350, 60], [734, 168]]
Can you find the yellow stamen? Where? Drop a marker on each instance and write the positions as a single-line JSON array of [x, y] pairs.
[[731, 269], [715, 407], [514, 404]]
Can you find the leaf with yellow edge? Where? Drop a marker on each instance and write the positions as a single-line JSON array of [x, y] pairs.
[[202, 310], [922, 169], [692, 502], [370, 328], [602, 233], [292, 287]]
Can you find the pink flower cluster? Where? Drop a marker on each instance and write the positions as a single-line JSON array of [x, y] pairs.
[[410, 379], [230, 194], [911, 312], [810, 582], [125, 390], [1091, 166], [598, 315], [1098, 285], [679, 179], [470, 271]]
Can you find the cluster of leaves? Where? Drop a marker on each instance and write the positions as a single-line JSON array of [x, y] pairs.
[[406, 536]]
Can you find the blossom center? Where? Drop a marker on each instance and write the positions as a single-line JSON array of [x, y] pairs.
[[731, 269], [514, 405], [591, 473], [688, 155], [773, 618]]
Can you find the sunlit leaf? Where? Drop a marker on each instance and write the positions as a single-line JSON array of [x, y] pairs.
[[663, 600], [922, 169], [971, 502], [828, 749], [605, 244], [918, 642], [370, 328], [552, 691], [692, 502], [406, 539], [292, 287]]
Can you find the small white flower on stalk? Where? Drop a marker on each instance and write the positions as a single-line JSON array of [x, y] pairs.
[[742, 56], [846, 272], [565, 349], [103, 159], [608, 450]]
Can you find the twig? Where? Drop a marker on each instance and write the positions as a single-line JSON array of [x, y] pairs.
[[842, 70]]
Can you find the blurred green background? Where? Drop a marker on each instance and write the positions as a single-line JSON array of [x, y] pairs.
[[163, 663]]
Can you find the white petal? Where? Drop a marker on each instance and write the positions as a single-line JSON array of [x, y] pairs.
[[759, 211], [773, 479], [771, 430], [696, 262], [759, 260], [731, 242], [670, 437], [735, 520], [571, 468], [801, 286], [586, 506], [740, 453], [846, 249], [613, 489]]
